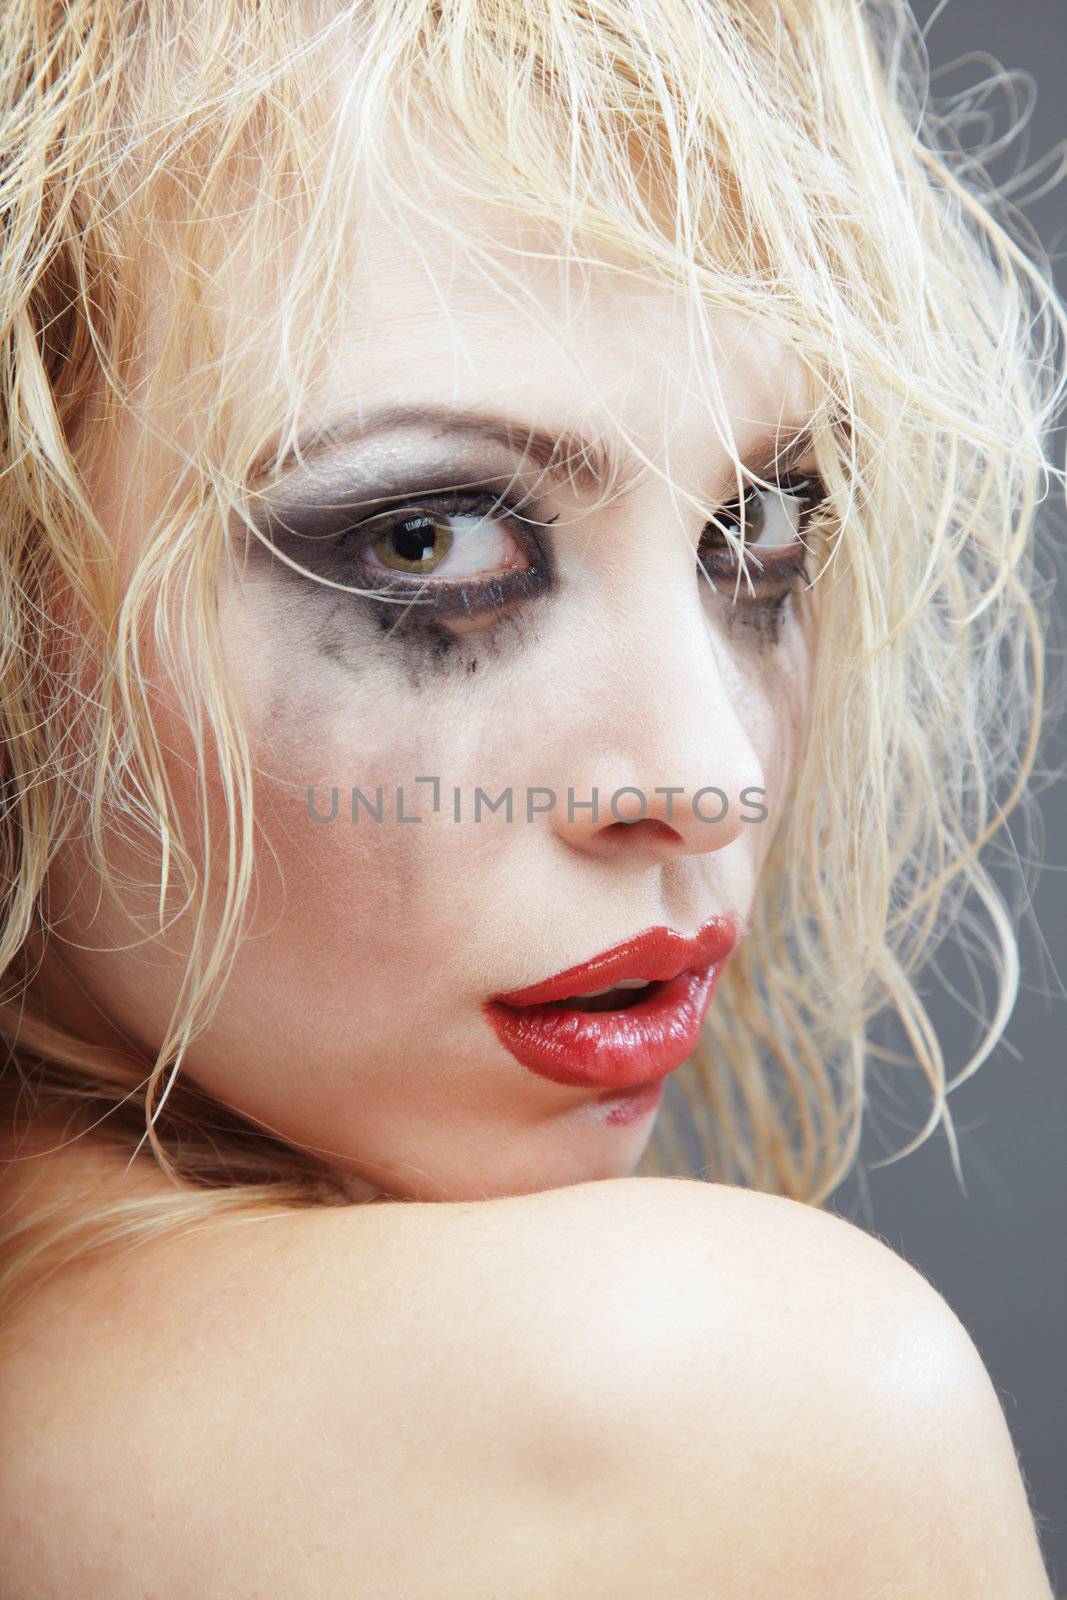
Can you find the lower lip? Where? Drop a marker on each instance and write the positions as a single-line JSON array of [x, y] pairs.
[[612, 1050]]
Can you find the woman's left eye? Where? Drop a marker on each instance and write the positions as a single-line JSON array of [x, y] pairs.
[[774, 519], [775, 523]]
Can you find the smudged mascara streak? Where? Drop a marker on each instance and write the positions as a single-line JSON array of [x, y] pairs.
[[764, 616]]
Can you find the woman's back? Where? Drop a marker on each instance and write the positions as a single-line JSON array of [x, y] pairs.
[[623, 1387]]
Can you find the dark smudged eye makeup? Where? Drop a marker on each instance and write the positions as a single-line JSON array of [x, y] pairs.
[[468, 554], [436, 554]]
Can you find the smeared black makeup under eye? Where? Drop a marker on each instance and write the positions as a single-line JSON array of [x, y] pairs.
[[328, 536]]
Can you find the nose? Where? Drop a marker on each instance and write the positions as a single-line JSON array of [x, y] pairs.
[[662, 763]]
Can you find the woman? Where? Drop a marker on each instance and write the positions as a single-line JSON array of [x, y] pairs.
[[518, 591]]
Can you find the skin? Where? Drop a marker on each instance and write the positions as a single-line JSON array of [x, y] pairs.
[[351, 1023], [562, 1394]]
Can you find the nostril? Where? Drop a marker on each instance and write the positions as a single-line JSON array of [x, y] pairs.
[[651, 826]]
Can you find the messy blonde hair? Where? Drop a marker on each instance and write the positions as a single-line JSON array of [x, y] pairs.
[[778, 158]]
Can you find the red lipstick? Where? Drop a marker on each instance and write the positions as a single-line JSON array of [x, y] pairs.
[[631, 1037]]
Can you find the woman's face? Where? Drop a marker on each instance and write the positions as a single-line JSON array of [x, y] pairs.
[[568, 640]]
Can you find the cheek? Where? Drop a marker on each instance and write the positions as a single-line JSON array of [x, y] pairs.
[[344, 895], [789, 691], [771, 686]]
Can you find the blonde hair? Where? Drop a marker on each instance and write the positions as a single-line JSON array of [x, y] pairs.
[[778, 159]]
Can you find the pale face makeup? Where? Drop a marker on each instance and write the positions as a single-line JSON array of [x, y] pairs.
[[586, 650]]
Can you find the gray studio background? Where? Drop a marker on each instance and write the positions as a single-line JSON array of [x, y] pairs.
[[999, 1254]]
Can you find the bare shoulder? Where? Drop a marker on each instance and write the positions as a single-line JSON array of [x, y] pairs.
[[791, 1407], [563, 1393]]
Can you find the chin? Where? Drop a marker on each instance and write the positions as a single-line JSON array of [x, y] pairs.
[[591, 1143]]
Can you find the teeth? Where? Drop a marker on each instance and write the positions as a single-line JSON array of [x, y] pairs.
[[623, 983]]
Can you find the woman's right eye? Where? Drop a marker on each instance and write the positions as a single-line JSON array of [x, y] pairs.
[[447, 555], [444, 543]]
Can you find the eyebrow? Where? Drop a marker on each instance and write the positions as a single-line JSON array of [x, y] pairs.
[[567, 456]]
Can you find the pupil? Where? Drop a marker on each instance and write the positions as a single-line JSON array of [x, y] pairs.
[[414, 541], [755, 515]]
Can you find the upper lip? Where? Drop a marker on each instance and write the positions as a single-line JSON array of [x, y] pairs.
[[655, 953]]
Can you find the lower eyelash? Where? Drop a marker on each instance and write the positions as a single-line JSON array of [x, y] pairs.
[[463, 598], [766, 585]]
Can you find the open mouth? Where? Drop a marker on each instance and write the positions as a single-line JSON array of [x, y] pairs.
[[619, 1038], [622, 996], [631, 1030]]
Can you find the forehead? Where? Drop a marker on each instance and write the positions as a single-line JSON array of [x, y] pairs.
[[464, 303], [518, 321], [512, 326], [443, 284]]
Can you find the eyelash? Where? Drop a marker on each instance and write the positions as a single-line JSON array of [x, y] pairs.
[[765, 585]]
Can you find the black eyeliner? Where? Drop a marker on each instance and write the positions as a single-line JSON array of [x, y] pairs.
[[325, 537]]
